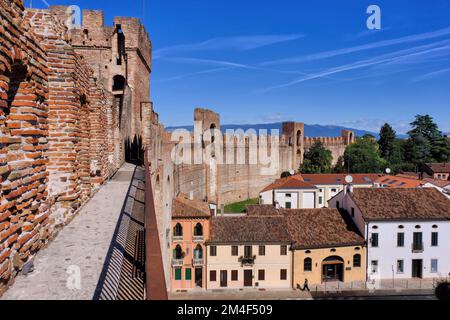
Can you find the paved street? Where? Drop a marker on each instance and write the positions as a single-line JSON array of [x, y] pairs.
[[80, 248]]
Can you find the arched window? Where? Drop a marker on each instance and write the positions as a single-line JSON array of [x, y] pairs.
[[198, 229], [178, 230], [299, 138], [178, 252], [307, 264], [212, 128], [357, 260], [118, 83], [198, 252]]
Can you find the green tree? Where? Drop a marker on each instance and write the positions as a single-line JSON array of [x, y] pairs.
[[339, 167], [387, 141], [429, 144], [363, 156], [317, 159]]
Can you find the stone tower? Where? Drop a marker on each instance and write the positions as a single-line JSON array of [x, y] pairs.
[[294, 133]]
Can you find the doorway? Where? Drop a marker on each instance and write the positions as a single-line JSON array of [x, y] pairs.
[[333, 269], [198, 277], [248, 278], [417, 268], [223, 278]]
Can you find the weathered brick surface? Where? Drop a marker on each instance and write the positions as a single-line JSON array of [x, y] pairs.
[[60, 137]]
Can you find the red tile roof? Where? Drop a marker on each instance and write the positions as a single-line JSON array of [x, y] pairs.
[[339, 178], [183, 207], [401, 204], [439, 167], [319, 228], [437, 182], [399, 182], [291, 182], [249, 229]]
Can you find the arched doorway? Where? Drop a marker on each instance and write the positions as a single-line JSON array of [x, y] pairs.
[[333, 269]]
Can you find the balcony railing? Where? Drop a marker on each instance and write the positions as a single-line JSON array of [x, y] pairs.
[[417, 247], [177, 262], [197, 261], [198, 238], [177, 238], [247, 260]]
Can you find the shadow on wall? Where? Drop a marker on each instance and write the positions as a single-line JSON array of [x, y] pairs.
[[134, 151]]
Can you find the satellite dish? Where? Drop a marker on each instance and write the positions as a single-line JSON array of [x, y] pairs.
[[349, 179], [292, 172], [388, 170]]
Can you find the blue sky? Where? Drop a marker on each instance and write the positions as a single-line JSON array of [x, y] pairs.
[[257, 61]]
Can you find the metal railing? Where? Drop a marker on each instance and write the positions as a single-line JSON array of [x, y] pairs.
[[177, 238], [417, 247], [198, 238], [197, 261], [155, 283], [177, 262]]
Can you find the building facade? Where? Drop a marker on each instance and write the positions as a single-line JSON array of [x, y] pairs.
[[407, 230], [190, 231], [249, 252]]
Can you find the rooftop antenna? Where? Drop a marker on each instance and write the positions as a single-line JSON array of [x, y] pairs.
[[388, 170]]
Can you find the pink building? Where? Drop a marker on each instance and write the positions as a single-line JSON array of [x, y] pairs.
[[190, 230]]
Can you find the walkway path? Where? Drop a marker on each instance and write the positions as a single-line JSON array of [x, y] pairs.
[[79, 249]]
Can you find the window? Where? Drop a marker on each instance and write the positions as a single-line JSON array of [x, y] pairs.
[[283, 274], [353, 212], [178, 230], [234, 250], [198, 229], [213, 251], [434, 239], [338, 204], [288, 195], [212, 275], [188, 274], [320, 199], [177, 273], [434, 265], [288, 205], [234, 275], [374, 240], [333, 190], [262, 250], [307, 264], [374, 266], [283, 250], [400, 266], [400, 239], [357, 260], [261, 275], [178, 252], [417, 241], [248, 251]]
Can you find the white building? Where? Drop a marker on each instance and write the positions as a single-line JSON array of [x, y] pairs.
[[407, 230], [306, 191], [441, 185]]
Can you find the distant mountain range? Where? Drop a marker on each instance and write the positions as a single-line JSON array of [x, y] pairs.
[[311, 130]]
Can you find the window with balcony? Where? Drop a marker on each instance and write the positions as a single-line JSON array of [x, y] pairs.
[[178, 232], [198, 232], [198, 255]]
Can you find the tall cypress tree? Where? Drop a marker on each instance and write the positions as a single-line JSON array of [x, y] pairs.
[[387, 141]]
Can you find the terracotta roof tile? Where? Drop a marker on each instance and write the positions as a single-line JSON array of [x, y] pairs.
[[399, 182], [437, 182], [250, 229], [401, 204], [339, 178], [439, 167], [183, 207], [261, 210], [316, 228], [292, 182]]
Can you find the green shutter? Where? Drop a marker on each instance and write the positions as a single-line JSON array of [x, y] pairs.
[[178, 274], [188, 273]]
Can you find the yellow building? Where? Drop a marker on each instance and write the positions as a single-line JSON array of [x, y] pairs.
[[325, 247]]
